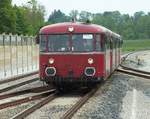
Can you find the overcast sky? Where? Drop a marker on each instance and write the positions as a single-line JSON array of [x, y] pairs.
[[94, 6]]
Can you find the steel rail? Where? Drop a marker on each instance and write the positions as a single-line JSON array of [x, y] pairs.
[[26, 99], [136, 70], [17, 77], [79, 104], [123, 58], [19, 84], [30, 110], [134, 73], [26, 91]]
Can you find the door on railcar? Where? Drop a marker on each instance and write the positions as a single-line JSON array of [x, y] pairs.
[[119, 48], [107, 55], [116, 53], [111, 54]]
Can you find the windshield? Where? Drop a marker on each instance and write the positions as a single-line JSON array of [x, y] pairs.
[[58, 43], [82, 42], [42, 43], [74, 43]]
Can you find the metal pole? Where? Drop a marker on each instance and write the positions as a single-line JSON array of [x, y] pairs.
[[32, 52], [16, 40], [36, 55], [4, 54], [10, 39], [27, 53], [22, 52]]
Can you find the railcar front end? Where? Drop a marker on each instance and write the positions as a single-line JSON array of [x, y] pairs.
[[71, 58], [75, 53]]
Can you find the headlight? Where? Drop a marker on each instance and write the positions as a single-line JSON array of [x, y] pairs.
[[90, 61], [89, 71], [50, 71], [51, 60]]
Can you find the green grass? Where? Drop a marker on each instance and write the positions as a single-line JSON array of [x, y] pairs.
[[134, 45]]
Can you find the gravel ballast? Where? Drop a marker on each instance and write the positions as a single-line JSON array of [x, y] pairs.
[[121, 97], [11, 111], [54, 109], [116, 101], [107, 102]]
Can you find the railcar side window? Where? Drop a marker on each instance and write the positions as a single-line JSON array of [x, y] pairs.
[[58, 43], [98, 43], [107, 40], [82, 42], [117, 43], [42, 43]]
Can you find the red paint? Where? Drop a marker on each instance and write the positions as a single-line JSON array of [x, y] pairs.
[[77, 62], [78, 28], [111, 60], [74, 62]]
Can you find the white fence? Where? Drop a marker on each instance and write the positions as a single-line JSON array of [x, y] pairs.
[[18, 55]]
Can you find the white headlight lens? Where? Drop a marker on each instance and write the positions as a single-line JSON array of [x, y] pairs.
[[51, 60], [90, 61], [70, 29]]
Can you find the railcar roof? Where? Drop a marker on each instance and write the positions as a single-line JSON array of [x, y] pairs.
[[79, 27]]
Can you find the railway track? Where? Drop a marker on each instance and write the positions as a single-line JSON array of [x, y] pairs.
[[27, 95], [79, 104], [26, 91], [17, 77], [135, 72], [28, 111], [21, 81], [132, 71], [53, 96], [26, 99]]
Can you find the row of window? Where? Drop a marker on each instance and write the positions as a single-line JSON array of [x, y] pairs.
[[113, 43], [63, 43], [77, 43]]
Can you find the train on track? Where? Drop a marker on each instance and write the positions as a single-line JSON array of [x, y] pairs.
[[77, 53]]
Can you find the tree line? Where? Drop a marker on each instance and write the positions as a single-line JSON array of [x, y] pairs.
[[129, 27], [29, 18], [25, 19]]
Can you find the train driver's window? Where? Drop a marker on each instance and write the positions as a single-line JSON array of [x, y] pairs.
[[58, 43], [88, 42], [42, 43], [98, 43], [107, 42], [77, 43], [104, 42], [82, 42]]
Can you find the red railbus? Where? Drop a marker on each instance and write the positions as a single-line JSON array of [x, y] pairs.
[[77, 53]]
